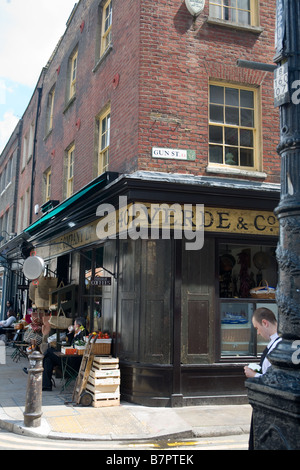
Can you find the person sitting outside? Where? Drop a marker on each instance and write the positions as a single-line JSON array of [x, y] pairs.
[[75, 333], [10, 320]]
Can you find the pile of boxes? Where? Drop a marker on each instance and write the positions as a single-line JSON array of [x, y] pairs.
[[104, 381]]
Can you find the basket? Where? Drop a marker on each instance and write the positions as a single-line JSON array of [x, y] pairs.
[[104, 347], [60, 322], [263, 292]]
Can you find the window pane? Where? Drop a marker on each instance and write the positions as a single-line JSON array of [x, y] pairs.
[[216, 113], [244, 17], [232, 116], [216, 134], [246, 157], [231, 136], [216, 94], [246, 138], [247, 99], [231, 156], [231, 97], [243, 4], [215, 154], [215, 11], [247, 118]]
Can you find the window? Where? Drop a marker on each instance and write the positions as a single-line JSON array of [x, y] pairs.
[[28, 143], [70, 170], [241, 268], [237, 11], [47, 182], [232, 126], [104, 140], [106, 27], [73, 73], [50, 107]]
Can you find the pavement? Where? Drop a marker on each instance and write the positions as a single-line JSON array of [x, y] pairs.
[[127, 422]]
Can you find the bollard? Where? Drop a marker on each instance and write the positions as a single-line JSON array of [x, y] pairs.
[[33, 405]]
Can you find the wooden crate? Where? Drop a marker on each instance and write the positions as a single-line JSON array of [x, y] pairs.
[[104, 381]]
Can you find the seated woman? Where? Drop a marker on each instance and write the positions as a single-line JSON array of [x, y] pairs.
[[10, 320], [75, 333]]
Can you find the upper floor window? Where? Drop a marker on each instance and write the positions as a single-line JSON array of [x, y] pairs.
[[47, 185], [243, 12], [50, 108], [106, 27], [28, 142], [104, 141], [72, 74], [232, 126], [70, 170]]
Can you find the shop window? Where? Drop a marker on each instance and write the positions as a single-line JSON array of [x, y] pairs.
[[241, 269], [243, 12], [232, 127]]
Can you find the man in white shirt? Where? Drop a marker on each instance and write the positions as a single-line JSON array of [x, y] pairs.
[[265, 323]]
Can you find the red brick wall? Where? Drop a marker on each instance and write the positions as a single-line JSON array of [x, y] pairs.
[[178, 57], [156, 80]]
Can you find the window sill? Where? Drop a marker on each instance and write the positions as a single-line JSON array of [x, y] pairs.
[[229, 24], [102, 58], [236, 172], [69, 103]]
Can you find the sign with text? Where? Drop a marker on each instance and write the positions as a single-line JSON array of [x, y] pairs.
[[176, 154]]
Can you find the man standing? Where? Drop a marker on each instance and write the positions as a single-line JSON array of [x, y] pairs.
[[265, 323]]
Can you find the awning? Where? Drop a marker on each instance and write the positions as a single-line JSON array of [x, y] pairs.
[[98, 183]]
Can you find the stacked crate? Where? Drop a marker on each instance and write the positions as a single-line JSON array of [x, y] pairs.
[[104, 381]]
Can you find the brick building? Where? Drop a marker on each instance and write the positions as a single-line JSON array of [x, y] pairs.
[[143, 100]]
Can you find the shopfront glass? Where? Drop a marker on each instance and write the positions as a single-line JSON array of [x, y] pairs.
[[243, 268], [91, 300]]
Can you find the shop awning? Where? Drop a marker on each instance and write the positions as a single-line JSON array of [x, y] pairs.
[[59, 210]]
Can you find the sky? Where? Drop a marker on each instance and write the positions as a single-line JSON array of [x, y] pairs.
[[29, 33]]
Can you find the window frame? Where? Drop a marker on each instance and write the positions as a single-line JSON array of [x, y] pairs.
[[106, 39], [103, 151], [70, 171], [50, 110], [257, 143], [254, 13]]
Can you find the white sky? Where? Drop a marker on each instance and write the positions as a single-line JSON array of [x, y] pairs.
[[29, 32]]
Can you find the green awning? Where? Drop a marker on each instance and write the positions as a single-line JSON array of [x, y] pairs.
[[66, 204]]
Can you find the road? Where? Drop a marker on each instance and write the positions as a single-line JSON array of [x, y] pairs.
[[10, 441]]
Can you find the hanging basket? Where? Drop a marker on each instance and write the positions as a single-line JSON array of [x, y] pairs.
[[60, 322], [263, 291]]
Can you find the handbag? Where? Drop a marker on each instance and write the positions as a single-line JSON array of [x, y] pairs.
[[263, 292], [60, 322]]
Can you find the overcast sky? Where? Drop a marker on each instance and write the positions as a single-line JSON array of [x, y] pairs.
[[29, 32]]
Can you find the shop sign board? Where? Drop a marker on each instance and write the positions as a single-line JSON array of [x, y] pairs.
[[100, 281], [218, 220]]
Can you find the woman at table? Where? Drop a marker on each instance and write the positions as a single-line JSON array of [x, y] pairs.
[[75, 333], [8, 323]]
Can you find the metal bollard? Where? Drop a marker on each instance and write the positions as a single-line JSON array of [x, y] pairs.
[[33, 405]]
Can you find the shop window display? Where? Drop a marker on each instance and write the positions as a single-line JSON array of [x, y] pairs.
[[241, 269]]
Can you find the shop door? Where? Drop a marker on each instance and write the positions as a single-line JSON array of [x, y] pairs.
[[198, 277]]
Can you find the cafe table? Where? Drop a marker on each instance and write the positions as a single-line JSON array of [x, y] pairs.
[[68, 364]]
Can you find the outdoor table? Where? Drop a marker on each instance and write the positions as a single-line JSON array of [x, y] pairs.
[[68, 372]]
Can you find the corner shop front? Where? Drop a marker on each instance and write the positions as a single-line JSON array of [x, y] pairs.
[[180, 319]]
